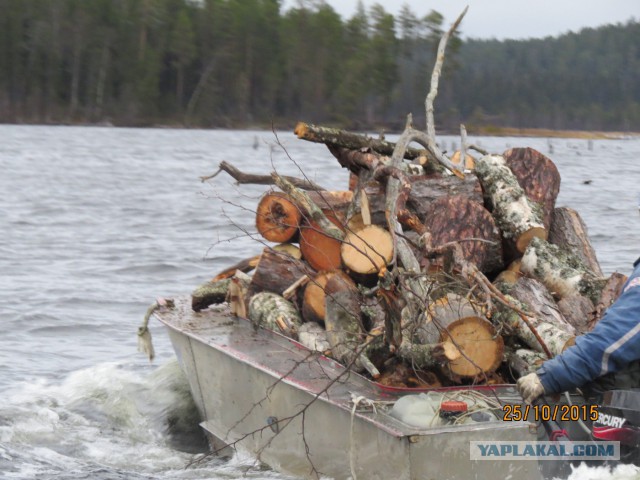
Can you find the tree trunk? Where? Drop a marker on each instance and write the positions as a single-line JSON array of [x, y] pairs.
[[277, 217], [320, 250], [538, 176], [276, 271], [518, 219], [456, 218], [560, 271], [523, 361], [569, 232], [313, 336], [273, 312]]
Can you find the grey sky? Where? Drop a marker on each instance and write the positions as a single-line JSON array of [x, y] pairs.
[[510, 18]]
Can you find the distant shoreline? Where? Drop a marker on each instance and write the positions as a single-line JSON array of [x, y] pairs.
[[485, 131]]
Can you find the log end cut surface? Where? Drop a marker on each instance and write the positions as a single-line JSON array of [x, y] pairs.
[[368, 250], [277, 218], [321, 251], [481, 348]]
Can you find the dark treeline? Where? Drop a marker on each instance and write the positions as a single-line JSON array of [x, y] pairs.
[[223, 63]]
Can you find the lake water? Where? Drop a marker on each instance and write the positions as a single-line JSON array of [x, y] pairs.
[[97, 222]]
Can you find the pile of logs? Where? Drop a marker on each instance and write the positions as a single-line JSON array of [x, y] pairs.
[[479, 279], [428, 270]]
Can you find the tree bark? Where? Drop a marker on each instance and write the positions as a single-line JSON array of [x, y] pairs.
[[244, 266], [578, 311], [456, 218], [313, 336], [276, 271], [610, 293], [538, 176], [523, 361], [569, 232], [517, 218]]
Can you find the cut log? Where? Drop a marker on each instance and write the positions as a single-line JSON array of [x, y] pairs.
[[313, 336], [555, 339], [425, 189], [243, 266], [313, 300], [273, 312], [456, 218], [367, 251], [290, 249], [277, 217], [320, 250], [344, 326], [522, 362], [276, 272], [469, 341], [562, 272], [569, 232], [209, 293], [519, 219], [610, 293], [539, 302], [578, 311], [538, 176], [333, 200]]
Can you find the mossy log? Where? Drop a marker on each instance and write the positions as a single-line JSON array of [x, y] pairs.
[[519, 219], [456, 218], [313, 299], [277, 217], [276, 271], [569, 232], [320, 250], [209, 293], [538, 176], [610, 293], [578, 311], [273, 312], [562, 272]]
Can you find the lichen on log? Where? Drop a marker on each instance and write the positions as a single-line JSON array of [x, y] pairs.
[[209, 293], [273, 312]]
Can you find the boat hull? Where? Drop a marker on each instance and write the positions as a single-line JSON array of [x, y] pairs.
[[293, 409]]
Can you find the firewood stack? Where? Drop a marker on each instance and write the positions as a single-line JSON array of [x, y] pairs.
[[477, 279], [427, 271]]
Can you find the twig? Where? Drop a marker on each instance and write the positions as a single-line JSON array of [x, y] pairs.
[[243, 177]]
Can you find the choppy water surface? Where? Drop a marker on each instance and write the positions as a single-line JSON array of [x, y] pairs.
[[97, 222]]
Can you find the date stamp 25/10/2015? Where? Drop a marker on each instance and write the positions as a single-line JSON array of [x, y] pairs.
[[550, 413]]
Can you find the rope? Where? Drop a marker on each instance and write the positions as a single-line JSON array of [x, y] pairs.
[[357, 400], [145, 343]]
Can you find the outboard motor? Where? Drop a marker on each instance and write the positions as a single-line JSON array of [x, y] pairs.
[[619, 421]]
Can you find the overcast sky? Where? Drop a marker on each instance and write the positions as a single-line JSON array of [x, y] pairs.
[[510, 18]]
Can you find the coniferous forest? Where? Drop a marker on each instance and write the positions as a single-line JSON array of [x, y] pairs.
[[238, 63]]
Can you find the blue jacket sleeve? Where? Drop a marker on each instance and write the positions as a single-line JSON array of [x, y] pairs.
[[611, 345]]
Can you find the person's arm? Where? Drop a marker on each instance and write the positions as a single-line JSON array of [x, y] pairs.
[[612, 344]]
